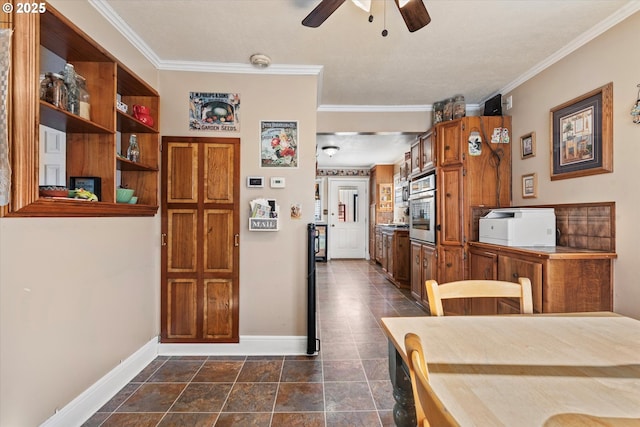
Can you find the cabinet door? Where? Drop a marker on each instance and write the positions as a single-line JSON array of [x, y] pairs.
[[401, 255], [428, 152], [483, 265], [429, 268], [450, 269], [200, 271], [416, 163], [511, 269], [389, 255], [417, 282], [450, 207], [449, 143]]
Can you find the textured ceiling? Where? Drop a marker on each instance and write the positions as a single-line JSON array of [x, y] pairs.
[[472, 47]]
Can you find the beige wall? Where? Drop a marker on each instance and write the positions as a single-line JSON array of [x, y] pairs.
[[77, 295], [609, 58], [272, 264]]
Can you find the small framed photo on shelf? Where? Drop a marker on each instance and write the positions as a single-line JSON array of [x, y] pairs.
[[528, 145], [89, 183], [529, 186]]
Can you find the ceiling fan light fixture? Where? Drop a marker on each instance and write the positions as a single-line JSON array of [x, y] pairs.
[[331, 150], [259, 60], [363, 4]]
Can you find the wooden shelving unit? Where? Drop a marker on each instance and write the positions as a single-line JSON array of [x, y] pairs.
[[92, 146]]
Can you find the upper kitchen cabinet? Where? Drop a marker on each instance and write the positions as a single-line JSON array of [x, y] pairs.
[[423, 154], [95, 142]]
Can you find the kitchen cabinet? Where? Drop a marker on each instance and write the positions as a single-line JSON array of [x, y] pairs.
[[380, 212], [563, 279], [423, 154], [472, 171], [395, 255], [50, 40], [423, 268]]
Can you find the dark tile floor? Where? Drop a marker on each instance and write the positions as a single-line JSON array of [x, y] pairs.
[[347, 384]]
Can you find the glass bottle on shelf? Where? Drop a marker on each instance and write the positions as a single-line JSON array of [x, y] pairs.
[[133, 152], [53, 90], [73, 103], [83, 98]]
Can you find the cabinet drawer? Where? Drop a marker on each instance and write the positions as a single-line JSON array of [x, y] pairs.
[[510, 269]]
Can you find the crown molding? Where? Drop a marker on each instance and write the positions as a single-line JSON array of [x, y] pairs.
[[620, 15], [123, 28]]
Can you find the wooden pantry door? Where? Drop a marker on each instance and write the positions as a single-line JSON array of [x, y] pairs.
[[200, 239]]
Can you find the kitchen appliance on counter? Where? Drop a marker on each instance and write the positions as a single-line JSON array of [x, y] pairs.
[[519, 227], [422, 209]]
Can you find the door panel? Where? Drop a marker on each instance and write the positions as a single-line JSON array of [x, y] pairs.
[[218, 321], [218, 240], [218, 187], [347, 218], [181, 299], [181, 240], [182, 182]]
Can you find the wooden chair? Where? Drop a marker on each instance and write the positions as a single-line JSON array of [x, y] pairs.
[[479, 288], [430, 412]]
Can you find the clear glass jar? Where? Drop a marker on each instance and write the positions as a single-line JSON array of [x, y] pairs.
[[448, 109], [73, 103], [53, 90], [83, 98], [459, 107], [133, 152], [438, 108]]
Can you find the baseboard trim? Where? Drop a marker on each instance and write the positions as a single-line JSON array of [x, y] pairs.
[[248, 346], [76, 412]]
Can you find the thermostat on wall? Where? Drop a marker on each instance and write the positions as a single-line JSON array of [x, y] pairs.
[[277, 182], [255, 181]]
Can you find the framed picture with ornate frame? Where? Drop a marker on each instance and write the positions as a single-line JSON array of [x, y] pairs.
[[529, 186], [528, 145], [582, 135]]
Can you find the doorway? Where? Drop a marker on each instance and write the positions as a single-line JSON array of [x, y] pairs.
[[348, 218]]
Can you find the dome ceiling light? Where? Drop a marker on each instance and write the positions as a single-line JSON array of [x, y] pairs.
[[331, 150]]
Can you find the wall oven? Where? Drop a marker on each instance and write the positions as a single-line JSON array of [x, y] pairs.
[[422, 209]]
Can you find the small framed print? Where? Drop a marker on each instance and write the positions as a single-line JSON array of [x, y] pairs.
[[529, 186], [89, 183], [528, 145]]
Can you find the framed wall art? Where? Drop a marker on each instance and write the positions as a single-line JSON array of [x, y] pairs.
[[279, 144], [528, 145], [211, 111], [582, 135], [529, 186]]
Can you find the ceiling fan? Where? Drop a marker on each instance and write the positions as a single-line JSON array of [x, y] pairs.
[[413, 12]]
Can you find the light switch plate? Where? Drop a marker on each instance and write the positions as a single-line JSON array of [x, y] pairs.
[[277, 182]]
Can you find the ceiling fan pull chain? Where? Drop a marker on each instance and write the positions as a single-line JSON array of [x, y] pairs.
[[384, 20]]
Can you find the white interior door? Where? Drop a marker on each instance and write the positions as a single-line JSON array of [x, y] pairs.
[[348, 216], [53, 156]]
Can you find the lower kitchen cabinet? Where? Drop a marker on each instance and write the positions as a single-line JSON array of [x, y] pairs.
[[563, 279], [395, 254], [423, 268]]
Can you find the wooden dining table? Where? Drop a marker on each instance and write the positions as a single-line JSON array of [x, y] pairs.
[[523, 370]]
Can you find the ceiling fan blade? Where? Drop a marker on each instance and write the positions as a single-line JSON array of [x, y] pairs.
[[321, 13], [415, 14]]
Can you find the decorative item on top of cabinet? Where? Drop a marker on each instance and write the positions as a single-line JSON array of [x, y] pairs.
[[91, 144]]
